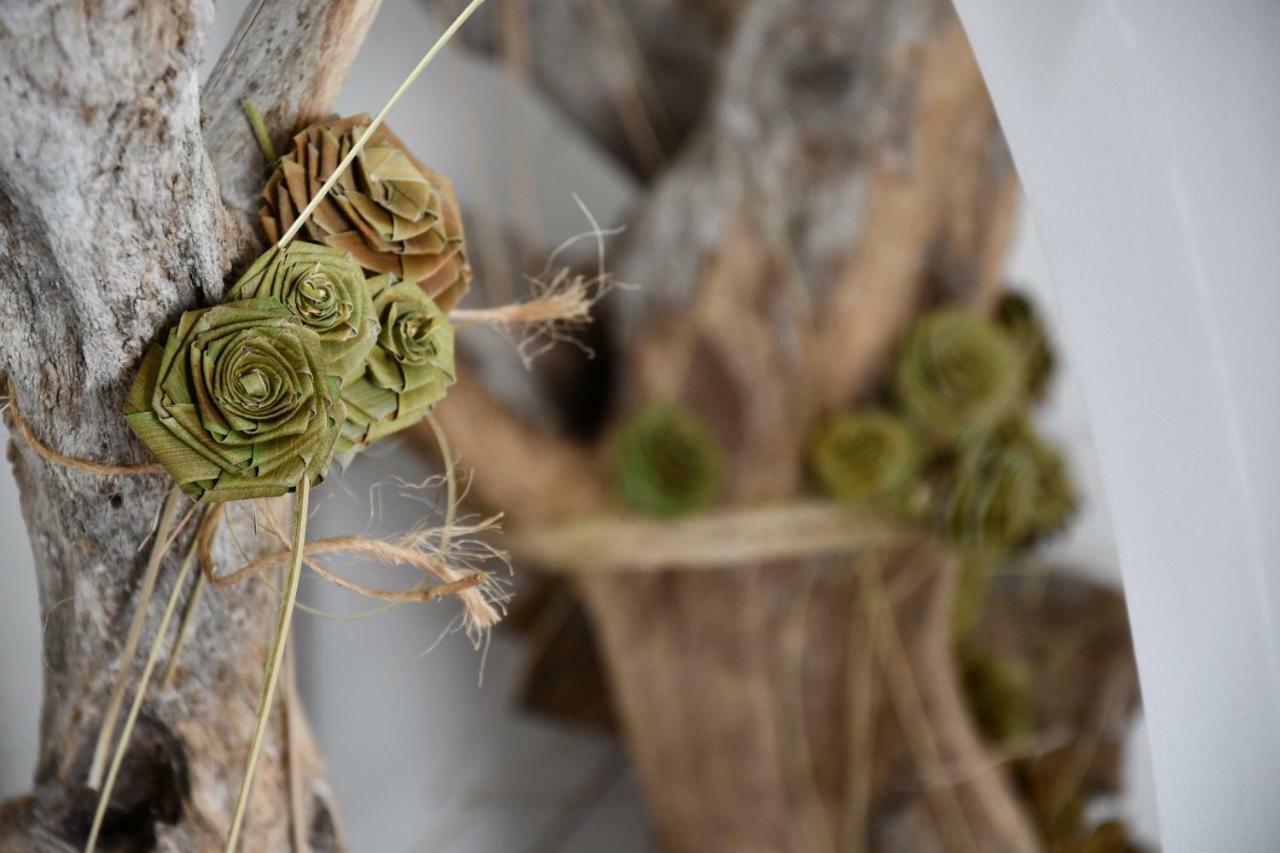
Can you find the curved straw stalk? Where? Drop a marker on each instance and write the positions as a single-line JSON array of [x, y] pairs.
[[164, 536], [140, 692], [279, 642]]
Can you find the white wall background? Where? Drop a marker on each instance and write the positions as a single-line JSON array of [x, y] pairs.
[[424, 757]]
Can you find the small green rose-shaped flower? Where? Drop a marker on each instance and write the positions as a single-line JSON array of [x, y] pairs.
[[958, 374], [408, 370], [667, 463], [1020, 320], [865, 456], [990, 505], [1009, 490], [326, 291], [240, 402]]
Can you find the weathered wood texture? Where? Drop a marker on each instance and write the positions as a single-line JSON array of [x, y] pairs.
[[634, 75], [111, 224], [840, 171]]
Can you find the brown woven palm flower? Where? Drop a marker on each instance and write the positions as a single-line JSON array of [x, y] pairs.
[[393, 214]]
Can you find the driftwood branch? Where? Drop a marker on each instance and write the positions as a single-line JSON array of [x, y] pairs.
[[291, 59], [634, 75], [111, 224]]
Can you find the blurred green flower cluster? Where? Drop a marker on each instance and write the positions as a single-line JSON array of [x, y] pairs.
[[952, 445], [307, 357]]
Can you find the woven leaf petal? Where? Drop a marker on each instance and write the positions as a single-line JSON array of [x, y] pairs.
[[408, 370], [239, 403], [388, 211], [326, 291]]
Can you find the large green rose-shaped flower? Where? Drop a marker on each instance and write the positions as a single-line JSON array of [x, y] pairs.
[[865, 456], [392, 213], [958, 374], [667, 463], [408, 370], [239, 403], [326, 291]]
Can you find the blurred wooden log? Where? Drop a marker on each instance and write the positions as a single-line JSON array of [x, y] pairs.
[[111, 223], [846, 171]]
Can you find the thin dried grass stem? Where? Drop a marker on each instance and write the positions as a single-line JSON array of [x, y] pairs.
[[909, 705], [444, 39], [797, 757], [204, 535], [140, 693], [293, 754], [279, 642], [861, 696], [158, 549], [184, 631]]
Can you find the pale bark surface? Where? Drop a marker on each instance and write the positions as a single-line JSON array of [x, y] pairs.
[[111, 224], [634, 75], [839, 170]]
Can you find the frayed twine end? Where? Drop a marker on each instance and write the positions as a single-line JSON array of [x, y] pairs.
[[561, 299], [450, 554]]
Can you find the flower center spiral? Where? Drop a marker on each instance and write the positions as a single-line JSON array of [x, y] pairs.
[[316, 301], [414, 338]]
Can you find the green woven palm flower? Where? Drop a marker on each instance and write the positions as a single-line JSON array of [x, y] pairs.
[[408, 370], [1009, 490], [958, 374], [667, 463], [1056, 497], [326, 291], [1020, 320], [239, 403], [865, 456], [990, 505]]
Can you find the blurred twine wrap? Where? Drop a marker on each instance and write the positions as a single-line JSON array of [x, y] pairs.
[[956, 461], [389, 211]]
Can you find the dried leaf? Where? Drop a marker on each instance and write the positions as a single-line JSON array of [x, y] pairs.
[[389, 212]]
